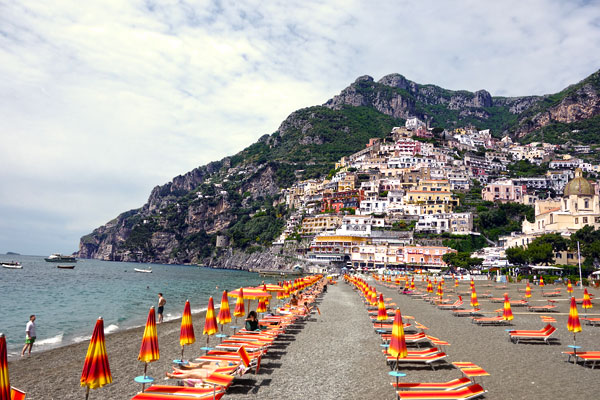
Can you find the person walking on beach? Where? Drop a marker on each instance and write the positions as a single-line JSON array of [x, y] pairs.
[[29, 335], [161, 307]]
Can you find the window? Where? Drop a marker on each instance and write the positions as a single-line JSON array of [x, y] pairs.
[[587, 205], [585, 220], [576, 220]]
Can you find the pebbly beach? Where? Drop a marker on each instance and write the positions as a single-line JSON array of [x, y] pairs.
[[337, 354]]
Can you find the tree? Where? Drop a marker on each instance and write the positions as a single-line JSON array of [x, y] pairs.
[[461, 259], [540, 253], [516, 255]]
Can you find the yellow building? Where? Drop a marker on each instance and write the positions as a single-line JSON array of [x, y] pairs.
[[434, 185], [579, 206], [432, 202], [320, 223]]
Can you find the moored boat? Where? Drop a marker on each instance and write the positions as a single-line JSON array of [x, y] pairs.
[[12, 265], [57, 257], [65, 266], [147, 271]]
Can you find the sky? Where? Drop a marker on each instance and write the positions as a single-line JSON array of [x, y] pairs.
[[100, 101]]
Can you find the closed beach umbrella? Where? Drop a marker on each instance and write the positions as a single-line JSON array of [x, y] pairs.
[[472, 283], [429, 286], [398, 341], [528, 291], [186, 334], [573, 324], [406, 285], [440, 290], [149, 348], [541, 281], [587, 302], [507, 312], [262, 306], [239, 310], [569, 286], [4, 379], [381, 311], [210, 323], [96, 371], [474, 302], [412, 283], [224, 316], [456, 283]]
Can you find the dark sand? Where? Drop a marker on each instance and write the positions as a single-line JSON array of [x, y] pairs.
[[338, 355]]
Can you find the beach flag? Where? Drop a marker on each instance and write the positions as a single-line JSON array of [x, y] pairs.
[[573, 324], [381, 311], [569, 286], [262, 306], [4, 379], [474, 302], [224, 316], [528, 291], [507, 312], [244, 356], [149, 349], [398, 341], [210, 323], [239, 310], [186, 334], [96, 371]]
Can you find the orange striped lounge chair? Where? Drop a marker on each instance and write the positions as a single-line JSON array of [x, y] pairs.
[[545, 308], [543, 334], [17, 394], [585, 356], [417, 359], [467, 313], [450, 385], [464, 393], [592, 321], [490, 321], [456, 305], [164, 392]]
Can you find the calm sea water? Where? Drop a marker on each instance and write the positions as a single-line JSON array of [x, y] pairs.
[[68, 302]]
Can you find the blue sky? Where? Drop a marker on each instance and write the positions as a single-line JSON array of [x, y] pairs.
[[101, 101]]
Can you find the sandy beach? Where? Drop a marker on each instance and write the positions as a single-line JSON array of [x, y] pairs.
[[338, 354]]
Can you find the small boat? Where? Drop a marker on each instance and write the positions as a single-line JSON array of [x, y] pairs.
[[147, 271], [65, 266], [12, 265], [56, 257]]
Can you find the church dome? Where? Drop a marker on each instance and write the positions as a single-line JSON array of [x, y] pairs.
[[579, 186]]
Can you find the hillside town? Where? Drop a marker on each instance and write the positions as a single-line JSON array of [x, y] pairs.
[[395, 202]]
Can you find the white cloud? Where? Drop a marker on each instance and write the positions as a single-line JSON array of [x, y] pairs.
[[101, 101]]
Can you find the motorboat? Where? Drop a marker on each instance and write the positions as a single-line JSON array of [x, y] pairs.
[[65, 266], [12, 265], [57, 257], [147, 271]]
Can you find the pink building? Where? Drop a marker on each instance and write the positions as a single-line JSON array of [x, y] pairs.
[[504, 191]]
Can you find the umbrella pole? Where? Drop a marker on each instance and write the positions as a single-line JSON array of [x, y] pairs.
[[87, 392], [574, 349], [182, 354], [144, 384]]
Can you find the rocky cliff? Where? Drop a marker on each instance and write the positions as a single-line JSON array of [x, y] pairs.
[[239, 198]]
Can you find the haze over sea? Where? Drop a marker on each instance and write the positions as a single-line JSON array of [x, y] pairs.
[[68, 302]]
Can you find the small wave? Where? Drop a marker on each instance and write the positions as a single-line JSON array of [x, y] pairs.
[[198, 310], [79, 339], [111, 328], [50, 341], [171, 317]]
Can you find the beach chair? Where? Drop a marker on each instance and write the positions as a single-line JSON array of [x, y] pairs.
[[456, 305], [183, 390], [415, 338], [464, 393], [585, 356], [429, 359], [419, 353], [470, 370], [17, 394], [182, 395], [499, 320], [543, 334], [466, 313], [554, 293], [450, 385], [591, 321]]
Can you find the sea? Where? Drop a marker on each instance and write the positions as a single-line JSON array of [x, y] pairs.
[[68, 302]]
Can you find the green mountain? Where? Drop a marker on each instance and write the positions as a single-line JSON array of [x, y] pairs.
[[238, 199]]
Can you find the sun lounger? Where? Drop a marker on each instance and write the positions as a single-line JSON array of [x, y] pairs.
[[415, 338], [467, 313], [470, 370], [551, 294], [464, 393], [457, 304], [450, 385], [182, 395], [585, 356], [183, 390], [543, 334], [490, 321], [430, 359], [421, 352], [592, 321], [497, 300], [17, 394], [548, 307]]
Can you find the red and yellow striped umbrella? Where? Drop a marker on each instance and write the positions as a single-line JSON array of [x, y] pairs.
[[429, 286], [149, 349], [210, 323], [507, 312], [407, 285], [569, 286], [224, 316], [96, 371], [474, 302], [472, 283], [398, 341], [412, 283], [381, 311], [239, 310], [542, 281], [528, 291], [4, 378], [186, 334], [573, 324], [262, 306], [440, 290], [249, 293], [587, 301], [456, 282]]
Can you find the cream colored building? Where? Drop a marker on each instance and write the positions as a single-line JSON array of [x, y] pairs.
[[321, 223], [579, 206]]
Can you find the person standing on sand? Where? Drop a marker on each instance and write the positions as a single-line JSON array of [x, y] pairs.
[[29, 335], [161, 307]]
